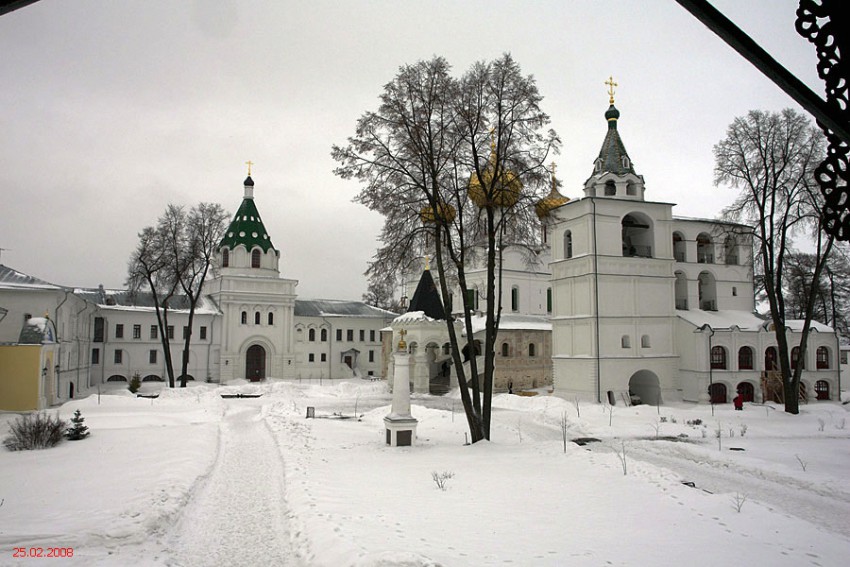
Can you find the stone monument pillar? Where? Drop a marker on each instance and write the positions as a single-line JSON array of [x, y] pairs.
[[400, 425]]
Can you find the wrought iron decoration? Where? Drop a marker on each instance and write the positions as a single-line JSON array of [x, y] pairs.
[[825, 23]]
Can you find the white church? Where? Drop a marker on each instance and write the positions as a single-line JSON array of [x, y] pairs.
[[624, 303]]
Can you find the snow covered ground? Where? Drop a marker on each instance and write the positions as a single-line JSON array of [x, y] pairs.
[[192, 479]]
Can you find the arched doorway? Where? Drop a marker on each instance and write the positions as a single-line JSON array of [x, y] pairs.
[[255, 363], [644, 385], [717, 393], [822, 389], [746, 389]]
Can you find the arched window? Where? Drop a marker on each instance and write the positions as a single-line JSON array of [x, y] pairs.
[[707, 291], [257, 318], [822, 355], [568, 244], [795, 357], [225, 257], [625, 342], [771, 360], [244, 317], [610, 189], [644, 341], [637, 235], [718, 358], [255, 258], [548, 300], [324, 335], [514, 298], [505, 349], [631, 189], [745, 358], [681, 288], [730, 251], [705, 249], [532, 351], [311, 335], [679, 247], [271, 318]]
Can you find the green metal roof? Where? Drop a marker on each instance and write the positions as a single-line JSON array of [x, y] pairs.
[[247, 228]]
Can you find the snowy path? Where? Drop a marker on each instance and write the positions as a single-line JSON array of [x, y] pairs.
[[790, 495], [238, 515]]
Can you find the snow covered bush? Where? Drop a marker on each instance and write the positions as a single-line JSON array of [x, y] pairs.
[[34, 431]]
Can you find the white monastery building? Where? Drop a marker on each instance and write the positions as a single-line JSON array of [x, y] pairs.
[[620, 302], [249, 325]]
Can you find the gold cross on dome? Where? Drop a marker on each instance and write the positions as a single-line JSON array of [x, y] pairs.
[[249, 163], [611, 84], [554, 166]]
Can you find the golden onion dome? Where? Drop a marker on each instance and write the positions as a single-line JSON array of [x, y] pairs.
[[445, 212], [506, 188], [551, 201]]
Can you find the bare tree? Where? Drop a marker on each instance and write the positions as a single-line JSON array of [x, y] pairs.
[[153, 266], [202, 232], [771, 158], [175, 256], [434, 142]]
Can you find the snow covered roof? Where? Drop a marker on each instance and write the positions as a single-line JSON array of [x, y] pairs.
[[712, 221], [414, 317], [514, 322], [338, 308], [125, 300], [743, 320], [797, 325], [13, 279]]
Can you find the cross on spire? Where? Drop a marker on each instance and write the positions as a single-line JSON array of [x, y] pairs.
[[249, 163], [553, 175], [611, 84]]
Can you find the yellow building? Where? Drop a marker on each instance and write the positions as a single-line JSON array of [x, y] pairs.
[[27, 368]]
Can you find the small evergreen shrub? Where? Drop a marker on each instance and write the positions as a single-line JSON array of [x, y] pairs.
[[135, 383], [34, 431], [77, 430]]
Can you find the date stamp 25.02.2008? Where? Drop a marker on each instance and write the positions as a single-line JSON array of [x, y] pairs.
[[28, 552]]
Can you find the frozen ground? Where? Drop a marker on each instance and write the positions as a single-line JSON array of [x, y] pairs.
[[191, 479]]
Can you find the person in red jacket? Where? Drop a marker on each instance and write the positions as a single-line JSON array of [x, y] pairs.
[[739, 401]]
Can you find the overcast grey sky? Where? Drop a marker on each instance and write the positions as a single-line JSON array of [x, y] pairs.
[[110, 109]]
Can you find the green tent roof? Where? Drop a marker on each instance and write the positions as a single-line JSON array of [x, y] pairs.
[[247, 228]]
